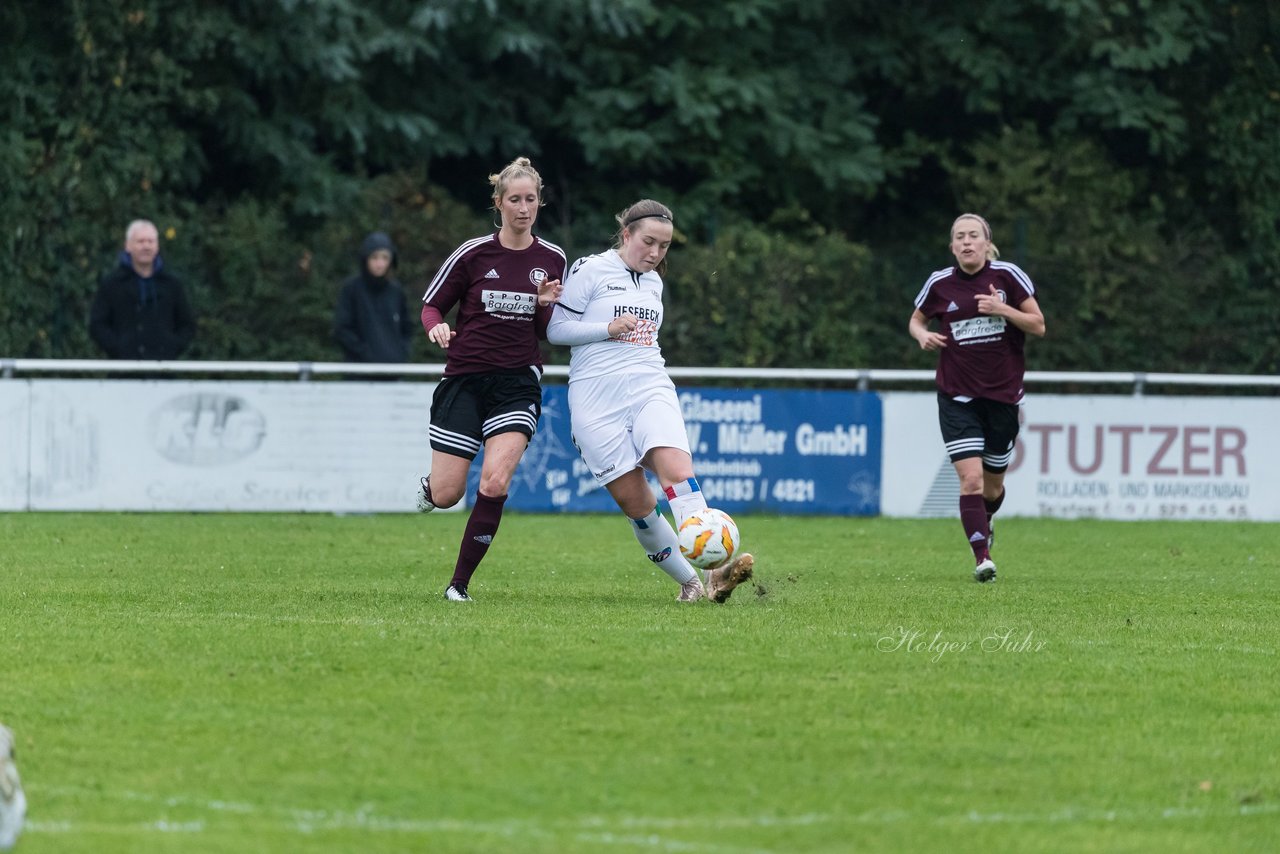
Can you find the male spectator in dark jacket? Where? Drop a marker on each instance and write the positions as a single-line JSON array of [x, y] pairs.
[[372, 322], [140, 310]]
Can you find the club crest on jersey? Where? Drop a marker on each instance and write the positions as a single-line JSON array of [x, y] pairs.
[[537, 275]]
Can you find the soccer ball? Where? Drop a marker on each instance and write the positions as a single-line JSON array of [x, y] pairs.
[[708, 538]]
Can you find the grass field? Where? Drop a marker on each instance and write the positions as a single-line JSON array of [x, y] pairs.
[[278, 683]]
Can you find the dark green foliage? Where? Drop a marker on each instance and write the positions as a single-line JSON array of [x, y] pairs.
[[426, 225], [268, 294], [89, 144], [1068, 216], [1125, 152], [1243, 187], [786, 294]]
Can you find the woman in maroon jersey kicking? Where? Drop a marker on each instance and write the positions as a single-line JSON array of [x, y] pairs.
[[504, 285], [985, 308]]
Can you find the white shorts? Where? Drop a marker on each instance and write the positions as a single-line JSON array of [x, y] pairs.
[[617, 419]]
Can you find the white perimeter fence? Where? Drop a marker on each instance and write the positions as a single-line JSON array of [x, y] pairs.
[[106, 435], [862, 378]]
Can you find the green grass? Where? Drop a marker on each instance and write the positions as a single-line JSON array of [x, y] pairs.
[[278, 683]]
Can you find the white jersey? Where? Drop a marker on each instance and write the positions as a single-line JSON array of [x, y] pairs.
[[597, 289]]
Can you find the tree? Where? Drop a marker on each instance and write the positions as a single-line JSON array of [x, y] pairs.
[[815, 130]]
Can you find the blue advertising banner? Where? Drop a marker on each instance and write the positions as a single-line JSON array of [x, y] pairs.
[[767, 450]]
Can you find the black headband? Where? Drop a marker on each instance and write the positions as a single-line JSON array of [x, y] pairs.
[[639, 217]]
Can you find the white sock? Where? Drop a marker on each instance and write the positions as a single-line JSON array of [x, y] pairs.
[[659, 540], [684, 506]]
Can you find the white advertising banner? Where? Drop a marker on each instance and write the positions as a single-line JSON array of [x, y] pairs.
[[15, 437], [1103, 456], [241, 446]]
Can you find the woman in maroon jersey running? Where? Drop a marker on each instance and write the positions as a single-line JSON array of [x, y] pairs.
[[504, 285], [985, 308]]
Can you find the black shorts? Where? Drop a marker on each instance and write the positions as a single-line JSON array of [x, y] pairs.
[[981, 427], [468, 409]]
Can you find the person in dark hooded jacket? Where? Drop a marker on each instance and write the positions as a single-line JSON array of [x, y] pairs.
[[140, 310], [372, 321]]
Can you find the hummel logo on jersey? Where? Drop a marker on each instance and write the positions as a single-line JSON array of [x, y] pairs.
[[492, 274], [484, 538], [953, 307], [613, 288], [976, 537]]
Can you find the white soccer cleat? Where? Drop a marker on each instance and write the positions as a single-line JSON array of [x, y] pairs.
[[13, 803], [424, 503], [457, 593], [691, 591], [722, 580], [985, 571]]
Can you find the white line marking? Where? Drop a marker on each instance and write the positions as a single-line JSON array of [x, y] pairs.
[[652, 832]]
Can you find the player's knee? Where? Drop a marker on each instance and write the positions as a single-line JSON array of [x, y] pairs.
[[444, 495], [635, 511], [495, 484], [638, 507]]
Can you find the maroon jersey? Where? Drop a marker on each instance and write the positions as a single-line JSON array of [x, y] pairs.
[[984, 354], [499, 320]]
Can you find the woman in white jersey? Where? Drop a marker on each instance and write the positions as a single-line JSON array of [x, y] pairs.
[[623, 407], [985, 308]]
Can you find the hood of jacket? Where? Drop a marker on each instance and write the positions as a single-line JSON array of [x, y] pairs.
[[372, 243]]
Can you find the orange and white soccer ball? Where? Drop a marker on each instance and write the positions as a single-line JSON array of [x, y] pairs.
[[709, 538]]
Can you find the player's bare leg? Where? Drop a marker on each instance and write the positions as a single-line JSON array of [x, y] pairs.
[[992, 498], [446, 484]]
